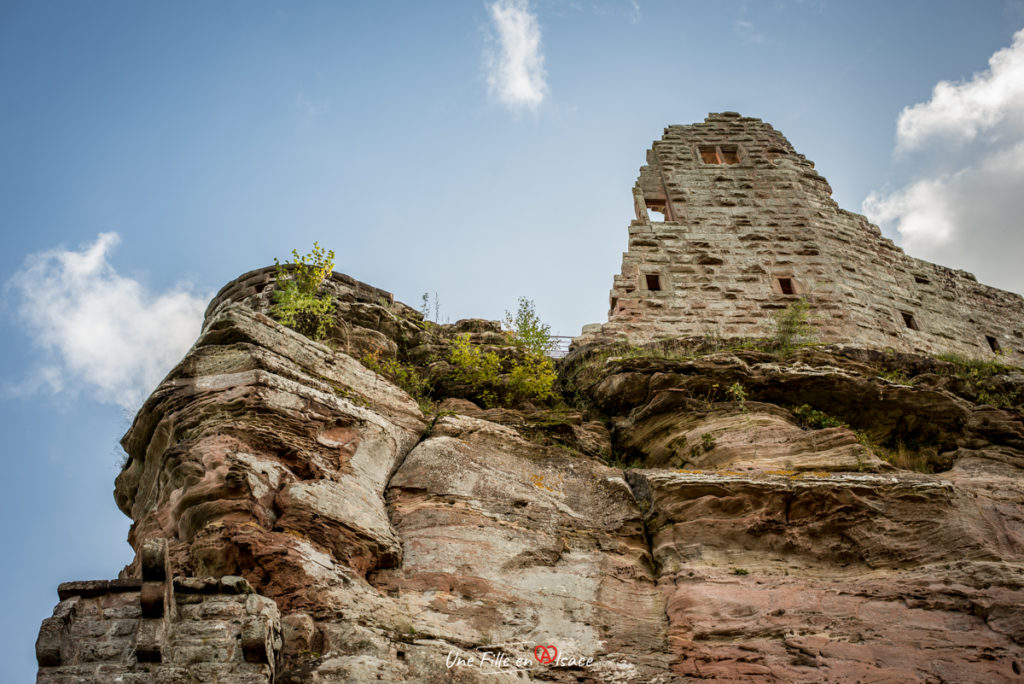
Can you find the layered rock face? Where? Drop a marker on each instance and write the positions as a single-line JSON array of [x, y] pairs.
[[819, 514], [800, 555]]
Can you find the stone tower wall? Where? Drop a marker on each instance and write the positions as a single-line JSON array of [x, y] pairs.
[[747, 220]]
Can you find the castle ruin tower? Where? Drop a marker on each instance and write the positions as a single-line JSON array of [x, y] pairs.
[[733, 225]]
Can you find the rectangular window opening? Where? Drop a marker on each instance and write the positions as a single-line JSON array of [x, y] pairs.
[[709, 154], [920, 280], [719, 154], [657, 211], [908, 320], [729, 154], [615, 301], [993, 344], [786, 285], [653, 282]]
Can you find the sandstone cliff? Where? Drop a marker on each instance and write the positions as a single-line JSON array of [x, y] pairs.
[[681, 512]]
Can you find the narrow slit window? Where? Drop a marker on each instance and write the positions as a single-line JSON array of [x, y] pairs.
[[908, 320], [786, 285], [993, 344], [653, 282], [615, 302]]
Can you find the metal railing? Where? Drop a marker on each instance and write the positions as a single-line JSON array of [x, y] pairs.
[[560, 346]]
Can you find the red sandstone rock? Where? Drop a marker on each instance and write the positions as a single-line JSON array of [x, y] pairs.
[[298, 518]]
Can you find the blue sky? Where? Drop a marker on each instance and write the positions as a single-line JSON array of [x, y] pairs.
[[150, 152]]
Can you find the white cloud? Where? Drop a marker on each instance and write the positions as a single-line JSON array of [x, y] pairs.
[[101, 331], [960, 111], [921, 211], [965, 208], [515, 74], [634, 15], [747, 32]]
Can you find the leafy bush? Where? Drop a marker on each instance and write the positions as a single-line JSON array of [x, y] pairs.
[[477, 368], [737, 392], [792, 325], [496, 380], [532, 378], [707, 441], [814, 419], [404, 375], [297, 303], [528, 332]]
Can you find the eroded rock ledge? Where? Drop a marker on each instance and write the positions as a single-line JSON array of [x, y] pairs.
[[300, 518]]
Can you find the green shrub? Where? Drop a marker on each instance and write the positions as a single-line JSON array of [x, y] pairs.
[[974, 369], [897, 375], [737, 392], [297, 303], [528, 332], [405, 376], [978, 375], [532, 378], [507, 380], [814, 419], [707, 443], [479, 369], [792, 325]]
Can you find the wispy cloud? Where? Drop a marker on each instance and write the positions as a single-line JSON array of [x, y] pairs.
[[515, 70], [634, 15], [101, 332], [965, 209], [747, 32], [308, 110]]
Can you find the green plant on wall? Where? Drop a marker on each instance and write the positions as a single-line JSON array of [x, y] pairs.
[[792, 325], [297, 303]]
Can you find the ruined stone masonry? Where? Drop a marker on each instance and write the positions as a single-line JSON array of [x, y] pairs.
[[851, 511], [170, 628], [745, 225]]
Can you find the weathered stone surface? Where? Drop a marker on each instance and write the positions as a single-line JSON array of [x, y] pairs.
[[733, 231], [738, 410], [865, 576], [112, 636], [496, 525], [268, 415], [683, 511]]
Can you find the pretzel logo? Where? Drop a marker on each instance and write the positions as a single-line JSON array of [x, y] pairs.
[[545, 654]]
